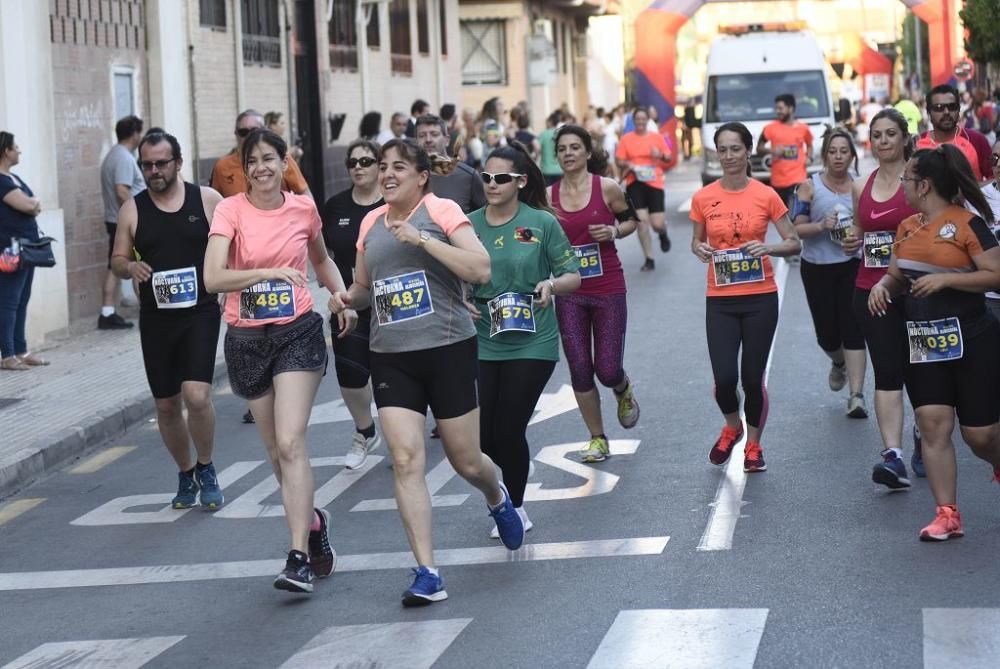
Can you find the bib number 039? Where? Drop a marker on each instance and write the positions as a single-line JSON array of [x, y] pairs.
[[934, 341]]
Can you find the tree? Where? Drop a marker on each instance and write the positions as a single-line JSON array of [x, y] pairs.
[[980, 20]]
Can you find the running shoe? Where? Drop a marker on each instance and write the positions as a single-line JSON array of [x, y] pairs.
[[113, 322], [753, 458], [297, 576], [628, 407], [648, 266], [210, 495], [597, 450], [723, 447], [664, 242], [495, 533], [322, 557], [838, 376], [509, 524], [947, 524], [248, 418], [856, 406], [427, 588], [891, 472], [187, 491], [917, 459], [360, 448]]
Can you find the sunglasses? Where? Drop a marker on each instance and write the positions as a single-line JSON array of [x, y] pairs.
[[941, 106], [148, 165], [499, 179], [365, 161], [995, 158], [243, 132]]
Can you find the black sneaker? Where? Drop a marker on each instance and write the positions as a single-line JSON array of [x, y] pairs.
[[322, 557], [297, 575], [648, 266], [664, 242], [248, 417], [113, 322]]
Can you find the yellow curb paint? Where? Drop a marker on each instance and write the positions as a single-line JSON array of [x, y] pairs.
[[102, 459], [12, 510]]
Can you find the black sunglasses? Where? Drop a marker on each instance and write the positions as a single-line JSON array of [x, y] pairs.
[[500, 179], [243, 132], [364, 161], [147, 165], [945, 106]]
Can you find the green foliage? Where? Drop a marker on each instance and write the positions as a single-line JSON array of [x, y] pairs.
[[980, 18], [909, 51]]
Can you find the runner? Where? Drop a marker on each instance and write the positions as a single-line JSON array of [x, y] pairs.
[[945, 258], [641, 156], [791, 148], [880, 207], [991, 191], [342, 215], [594, 212], [275, 348], [823, 213], [943, 108], [160, 241], [516, 326], [730, 220], [414, 253]]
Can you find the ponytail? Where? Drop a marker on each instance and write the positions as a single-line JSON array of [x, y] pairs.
[[533, 194], [950, 173]]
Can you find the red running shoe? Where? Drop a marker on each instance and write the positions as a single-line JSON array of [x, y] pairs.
[[753, 458], [723, 447], [947, 524]]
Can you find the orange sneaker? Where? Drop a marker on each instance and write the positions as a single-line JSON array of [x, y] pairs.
[[723, 447], [753, 458], [947, 524]]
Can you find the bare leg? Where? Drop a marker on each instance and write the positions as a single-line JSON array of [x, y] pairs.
[[404, 432], [642, 232], [460, 438], [658, 221], [590, 408], [856, 363], [359, 404], [111, 291], [201, 417], [936, 424], [984, 442], [889, 412], [174, 431]]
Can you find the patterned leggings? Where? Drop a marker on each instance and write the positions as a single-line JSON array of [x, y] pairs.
[[597, 318]]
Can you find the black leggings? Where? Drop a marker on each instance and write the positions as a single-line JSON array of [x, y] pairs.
[[830, 292], [886, 339], [508, 393], [750, 321]]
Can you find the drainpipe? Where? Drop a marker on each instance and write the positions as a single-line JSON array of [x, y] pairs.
[[196, 170], [238, 50], [288, 34]]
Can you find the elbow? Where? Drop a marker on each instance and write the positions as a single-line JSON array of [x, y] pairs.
[[211, 281], [481, 271], [573, 282]]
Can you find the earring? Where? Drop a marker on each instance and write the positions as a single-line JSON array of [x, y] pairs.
[[520, 187]]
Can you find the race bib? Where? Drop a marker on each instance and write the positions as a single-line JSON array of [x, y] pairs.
[[511, 312], [733, 266], [840, 230], [788, 152], [267, 300], [878, 248], [175, 288], [402, 298], [645, 172], [589, 256], [934, 341]]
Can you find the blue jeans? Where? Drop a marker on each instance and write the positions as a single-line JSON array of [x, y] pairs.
[[15, 291]]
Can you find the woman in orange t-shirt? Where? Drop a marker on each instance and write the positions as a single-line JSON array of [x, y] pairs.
[[730, 218]]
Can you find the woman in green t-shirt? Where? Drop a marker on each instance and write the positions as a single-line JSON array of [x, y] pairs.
[[515, 321]]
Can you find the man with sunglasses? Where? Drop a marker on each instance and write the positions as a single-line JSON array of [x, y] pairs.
[[463, 186], [227, 175], [943, 107]]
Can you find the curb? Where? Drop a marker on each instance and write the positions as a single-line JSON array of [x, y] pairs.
[[58, 449]]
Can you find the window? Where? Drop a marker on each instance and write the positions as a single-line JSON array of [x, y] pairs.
[[399, 37], [423, 29], [565, 47], [123, 85], [749, 97], [343, 38], [374, 29], [443, 15], [261, 33], [484, 52], [213, 13]]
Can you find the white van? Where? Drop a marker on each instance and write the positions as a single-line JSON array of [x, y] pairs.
[[747, 68]]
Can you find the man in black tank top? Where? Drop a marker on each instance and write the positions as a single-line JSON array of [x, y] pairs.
[[161, 239]]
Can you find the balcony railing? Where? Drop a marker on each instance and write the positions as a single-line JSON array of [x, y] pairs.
[[402, 64], [343, 57], [262, 50]]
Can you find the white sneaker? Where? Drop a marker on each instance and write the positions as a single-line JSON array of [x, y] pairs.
[[495, 533], [360, 448]]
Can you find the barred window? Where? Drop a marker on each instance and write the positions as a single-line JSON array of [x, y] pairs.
[[423, 28], [399, 37], [115, 25], [343, 38], [261, 33], [484, 52], [212, 13], [443, 17]]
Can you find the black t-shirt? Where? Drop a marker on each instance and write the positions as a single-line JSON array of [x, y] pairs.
[[14, 223], [342, 218]]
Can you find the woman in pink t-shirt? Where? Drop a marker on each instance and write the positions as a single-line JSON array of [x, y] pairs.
[[275, 349]]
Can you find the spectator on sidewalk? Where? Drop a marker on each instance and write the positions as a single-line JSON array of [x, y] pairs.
[[228, 177], [462, 185], [396, 129], [18, 208], [121, 180], [417, 109], [275, 122], [370, 126]]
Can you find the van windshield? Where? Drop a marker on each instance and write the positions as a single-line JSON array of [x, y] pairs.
[[750, 97]]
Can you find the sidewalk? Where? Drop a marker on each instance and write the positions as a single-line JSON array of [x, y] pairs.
[[94, 390]]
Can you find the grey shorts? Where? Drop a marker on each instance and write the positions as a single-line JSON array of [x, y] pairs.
[[255, 355]]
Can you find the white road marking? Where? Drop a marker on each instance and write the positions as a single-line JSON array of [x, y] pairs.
[[685, 206], [596, 481], [410, 645], [102, 459], [567, 550], [966, 638], [551, 405], [332, 412], [436, 479], [95, 654], [682, 639], [728, 504], [12, 510]]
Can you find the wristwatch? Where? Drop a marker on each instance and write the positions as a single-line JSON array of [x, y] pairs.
[[424, 237]]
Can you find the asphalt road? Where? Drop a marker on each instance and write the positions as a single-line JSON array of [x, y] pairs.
[[652, 558]]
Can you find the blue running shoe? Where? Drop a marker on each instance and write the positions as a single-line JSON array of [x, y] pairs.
[[187, 491], [917, 459], [508, 520], [427, 588], [211, 496], [891, 472]]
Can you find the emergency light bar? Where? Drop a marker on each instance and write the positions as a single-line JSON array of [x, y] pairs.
[[743, 29]]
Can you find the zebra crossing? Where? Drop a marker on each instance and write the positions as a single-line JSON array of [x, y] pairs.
[[637, 639]]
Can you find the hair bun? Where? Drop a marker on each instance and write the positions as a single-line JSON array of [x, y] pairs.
[[442, 166]]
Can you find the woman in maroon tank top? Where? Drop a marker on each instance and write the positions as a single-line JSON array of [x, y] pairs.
[[593, 212], [880, 207]]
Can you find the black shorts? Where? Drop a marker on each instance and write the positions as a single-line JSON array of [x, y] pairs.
[[255, 355], [351, 357], [886, 340], [644, 196], [112, 229], [966, 383], [178, 346], [444, 377]]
